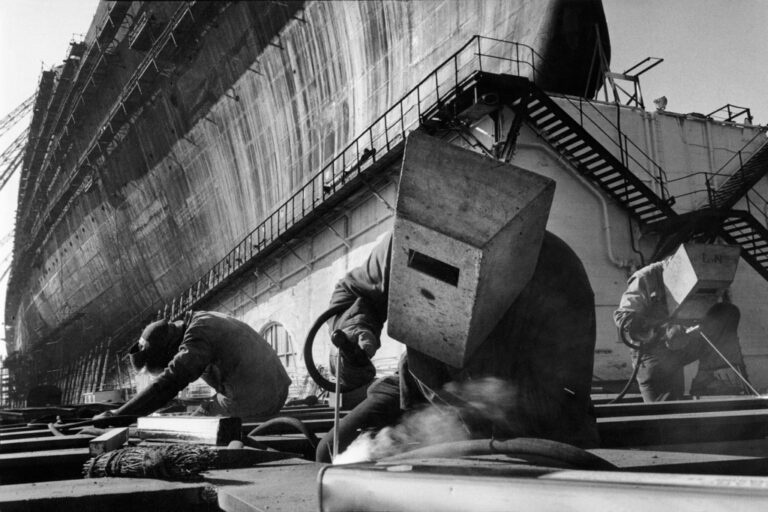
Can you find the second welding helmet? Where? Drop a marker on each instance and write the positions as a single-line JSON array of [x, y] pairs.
[[156, 347]]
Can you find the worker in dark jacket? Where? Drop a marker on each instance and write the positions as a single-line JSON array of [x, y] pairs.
[[666, 347], [542, 347], [249, 379]]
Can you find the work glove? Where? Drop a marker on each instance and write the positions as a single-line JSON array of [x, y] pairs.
[[675, 337], [367, 341], [639, 330], [104, 415]]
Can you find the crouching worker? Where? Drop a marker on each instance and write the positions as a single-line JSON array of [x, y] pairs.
[[666, 338], [479, 293], [249, 379], [542, 349]]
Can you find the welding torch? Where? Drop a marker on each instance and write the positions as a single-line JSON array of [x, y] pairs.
[[697, 329], [341, 342]]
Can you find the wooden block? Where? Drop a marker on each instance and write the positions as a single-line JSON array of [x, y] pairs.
[[467, 235], [635, 431], [12, 461], [191, 429], [24, 434], [41, 466], [111, 440]]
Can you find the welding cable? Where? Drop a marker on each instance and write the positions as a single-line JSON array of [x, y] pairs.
[[632, 377], [552, 452], [309, 360], [284, 420]]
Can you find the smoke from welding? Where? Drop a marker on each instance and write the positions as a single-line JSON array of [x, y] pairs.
[[488, 401]]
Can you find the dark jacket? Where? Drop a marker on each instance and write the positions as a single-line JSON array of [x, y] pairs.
[[542, 347], [232, 358]]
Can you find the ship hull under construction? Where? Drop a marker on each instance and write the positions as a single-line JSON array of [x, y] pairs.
[[241, 157]]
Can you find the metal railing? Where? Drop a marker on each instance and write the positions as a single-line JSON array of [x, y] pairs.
[[729, 113], [382, 136], [621, 141], [739, 154]]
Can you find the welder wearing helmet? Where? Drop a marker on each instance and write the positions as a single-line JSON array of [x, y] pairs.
[[249, 379], [665, 347], [542, 348]]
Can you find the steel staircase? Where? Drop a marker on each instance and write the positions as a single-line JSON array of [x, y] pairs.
[[598, 164], [741, 228], [564, 133], [737, 184], [593, 160]]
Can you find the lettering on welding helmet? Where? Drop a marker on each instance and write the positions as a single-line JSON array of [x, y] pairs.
[[434, 268]]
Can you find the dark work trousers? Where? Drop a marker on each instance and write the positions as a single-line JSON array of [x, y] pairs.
[[660, 375], [381, 408]]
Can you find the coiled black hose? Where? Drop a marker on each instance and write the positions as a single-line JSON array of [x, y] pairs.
[[522, 447], [309, 360]]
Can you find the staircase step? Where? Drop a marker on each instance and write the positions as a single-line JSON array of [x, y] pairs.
[[611, 179], [568, 138], [574, 146], [602, 173], [543, 117], [583, 151], [588, 158], [552, 126], [594, 164], [647, 208], [652, 217]]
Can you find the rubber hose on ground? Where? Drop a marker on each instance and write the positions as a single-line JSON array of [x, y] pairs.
[[521, 446], [286, 420]]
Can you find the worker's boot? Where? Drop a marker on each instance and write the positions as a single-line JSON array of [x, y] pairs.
[[706, 384]]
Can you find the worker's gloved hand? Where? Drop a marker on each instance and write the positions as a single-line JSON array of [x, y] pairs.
[[727, 376], [639, 329], [99, 419], [367, 341], [675, 337]]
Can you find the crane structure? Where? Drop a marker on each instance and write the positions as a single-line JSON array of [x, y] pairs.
[[11, 156]]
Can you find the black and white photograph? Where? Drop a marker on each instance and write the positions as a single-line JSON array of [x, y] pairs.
[[383, 255]]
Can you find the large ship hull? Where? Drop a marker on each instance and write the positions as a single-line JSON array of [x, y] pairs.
[[242, 157], [177, 128]]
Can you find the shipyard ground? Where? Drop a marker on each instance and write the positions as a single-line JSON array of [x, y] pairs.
[[687, 454]]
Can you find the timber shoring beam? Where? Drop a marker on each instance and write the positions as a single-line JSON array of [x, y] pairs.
[[623, 431], [680, 406], [45, 443], [41, 466]]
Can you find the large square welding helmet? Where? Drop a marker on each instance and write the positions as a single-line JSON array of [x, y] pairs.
[[467, 235], [696, 276]]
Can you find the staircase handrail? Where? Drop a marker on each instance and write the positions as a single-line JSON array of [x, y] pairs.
[[737, 153], [661, 180]]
